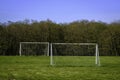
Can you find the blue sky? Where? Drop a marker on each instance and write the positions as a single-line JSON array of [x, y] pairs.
[[60, 10]]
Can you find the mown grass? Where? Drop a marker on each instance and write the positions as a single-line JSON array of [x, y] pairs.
[[38, 68], [77, 61]]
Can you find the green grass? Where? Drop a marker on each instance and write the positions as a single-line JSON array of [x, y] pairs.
[[77, 61], [38, 68]]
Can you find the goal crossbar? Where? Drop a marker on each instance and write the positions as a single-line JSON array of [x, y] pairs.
[[34, 42], [75, 43]]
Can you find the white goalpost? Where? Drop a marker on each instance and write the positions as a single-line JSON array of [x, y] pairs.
[[34, 48], [70, 54], [65, 50]]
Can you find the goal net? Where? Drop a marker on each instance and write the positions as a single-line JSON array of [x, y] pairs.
[[34, 49], [74, 54]]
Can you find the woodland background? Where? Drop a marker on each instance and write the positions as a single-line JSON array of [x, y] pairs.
[[82, 31]]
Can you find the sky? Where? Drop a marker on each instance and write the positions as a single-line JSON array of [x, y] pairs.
[[60, 11]]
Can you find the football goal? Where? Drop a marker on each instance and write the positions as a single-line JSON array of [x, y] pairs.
[[74, 54], [34, 48]]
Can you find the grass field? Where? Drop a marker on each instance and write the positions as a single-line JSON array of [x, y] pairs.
[[38, 68], [74, 61]]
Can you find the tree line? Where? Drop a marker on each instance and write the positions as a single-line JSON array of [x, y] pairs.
[[106, 35]]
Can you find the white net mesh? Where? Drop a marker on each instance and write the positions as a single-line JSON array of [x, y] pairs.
[[73, 54], [34, 48]]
